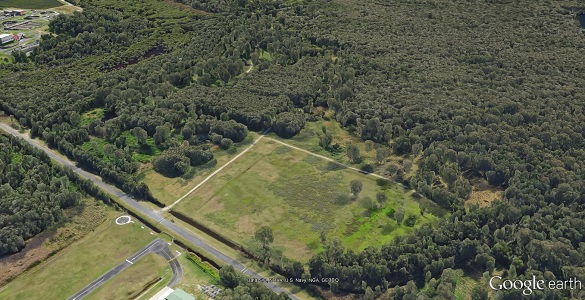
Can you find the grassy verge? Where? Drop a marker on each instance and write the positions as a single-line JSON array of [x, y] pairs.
[[81, 263]]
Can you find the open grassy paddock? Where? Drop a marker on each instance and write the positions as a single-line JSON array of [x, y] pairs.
[[79, 264], [30, 4], [298, 196], [168, 190]]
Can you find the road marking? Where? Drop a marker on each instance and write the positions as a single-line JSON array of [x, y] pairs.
[[141, 252], [129, 262], [89, 288]]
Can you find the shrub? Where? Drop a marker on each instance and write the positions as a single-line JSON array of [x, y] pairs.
[[410, 221], [225, 143], [288, 124], [171, 163]]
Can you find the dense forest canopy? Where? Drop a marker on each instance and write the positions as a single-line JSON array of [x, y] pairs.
[[466, 89], [33, 193]]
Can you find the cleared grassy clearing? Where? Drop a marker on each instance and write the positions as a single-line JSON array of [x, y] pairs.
[[96, 114], [296, 194], [80, 263], [135, 280], [30, 4], [168, 190], [465, 284], [141, 153]]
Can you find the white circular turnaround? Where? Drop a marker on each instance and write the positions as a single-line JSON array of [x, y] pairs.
[[123, 220]]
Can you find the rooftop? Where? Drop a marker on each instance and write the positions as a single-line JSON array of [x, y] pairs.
[[179, 294]]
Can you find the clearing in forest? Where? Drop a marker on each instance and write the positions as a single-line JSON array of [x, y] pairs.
[[299, 196], [168, 189]]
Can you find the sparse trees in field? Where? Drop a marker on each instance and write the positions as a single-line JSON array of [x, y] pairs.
[[423, 208], [355, 187], [399, 215], [325, 139], [353, 152], [407, 165], [381, 198], [368, 145], [381, 155], [368, 203], [264, 236]]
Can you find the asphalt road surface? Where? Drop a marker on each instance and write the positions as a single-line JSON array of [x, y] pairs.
[[157, 246], [170, 227]]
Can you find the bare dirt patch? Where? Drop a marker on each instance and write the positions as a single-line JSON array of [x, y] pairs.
[[483, 193], [33, 253]]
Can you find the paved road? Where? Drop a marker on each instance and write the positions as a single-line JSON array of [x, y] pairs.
[[175, 266], [151, 214], [157, 246]]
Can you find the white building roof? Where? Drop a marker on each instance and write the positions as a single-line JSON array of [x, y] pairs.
[[5, 35]]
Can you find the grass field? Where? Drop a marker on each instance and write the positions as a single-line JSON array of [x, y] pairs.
[[296, 195], [79, 264], [168, 190], [135, 280], [30, 4]]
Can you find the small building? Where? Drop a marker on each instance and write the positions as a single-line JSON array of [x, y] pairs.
[[6, 38], [179, 294]]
